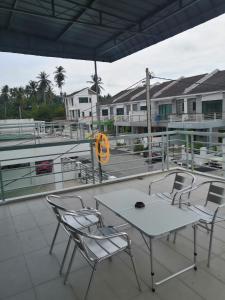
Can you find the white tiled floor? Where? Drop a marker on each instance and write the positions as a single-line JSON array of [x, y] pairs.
[[28, 272]]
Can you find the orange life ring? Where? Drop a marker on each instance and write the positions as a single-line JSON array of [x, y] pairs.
[[102, 148]]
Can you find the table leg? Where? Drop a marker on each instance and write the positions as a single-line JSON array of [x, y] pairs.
[[195, 247], [151, 263], [97, 205]]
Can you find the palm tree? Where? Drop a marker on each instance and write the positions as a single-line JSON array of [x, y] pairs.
[[43, 84], [96, 84], [31, 90], [5, 97], [60, 78]]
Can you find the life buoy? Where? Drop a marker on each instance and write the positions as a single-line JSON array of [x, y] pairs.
[[102, 148]]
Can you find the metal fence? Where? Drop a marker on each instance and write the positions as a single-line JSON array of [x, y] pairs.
[[32, 169]]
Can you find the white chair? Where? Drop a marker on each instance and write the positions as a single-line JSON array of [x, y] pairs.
[[95, 248], [181, 181], [79, 219], [208, 216]]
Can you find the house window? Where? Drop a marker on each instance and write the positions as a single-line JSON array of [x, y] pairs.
[[180, 106], [209, 107], [120, 111], [83, 99], [143, 107], [128, 109], [72, 101], [135, 107], [78, 111], [164, 111], [89, 100], [191, 105], [83, 114], [90, 114], [105, 112]]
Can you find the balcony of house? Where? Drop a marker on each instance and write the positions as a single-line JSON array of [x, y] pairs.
[[28, 271], [196, 121], [139, 119]]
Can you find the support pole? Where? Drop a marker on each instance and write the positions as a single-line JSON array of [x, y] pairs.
[[148, 105], [97, 94]]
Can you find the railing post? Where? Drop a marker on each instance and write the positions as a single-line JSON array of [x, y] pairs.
[[187, 153], [92, 162], [167, 151], [2, 185], [162, 153], [192, 152]]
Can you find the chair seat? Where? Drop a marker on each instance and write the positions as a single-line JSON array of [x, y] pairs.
[[205, 214], [79, 222], [99, 249]]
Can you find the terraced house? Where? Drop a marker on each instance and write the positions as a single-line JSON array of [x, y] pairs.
[[196, 103]]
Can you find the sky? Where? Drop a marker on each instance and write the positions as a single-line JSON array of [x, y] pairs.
[[198, 50]]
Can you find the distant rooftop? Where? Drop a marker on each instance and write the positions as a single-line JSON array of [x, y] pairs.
[[192, 85]]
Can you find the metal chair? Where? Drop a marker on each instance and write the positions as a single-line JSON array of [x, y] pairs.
[[80, 219], [95, 248], [182, 181], [208, 216]]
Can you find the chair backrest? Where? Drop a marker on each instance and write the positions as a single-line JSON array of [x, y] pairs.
[[216, 194], [182, 179], [78, 237], [57, 209]]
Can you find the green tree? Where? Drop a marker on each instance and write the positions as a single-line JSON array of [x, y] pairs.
[[32, 89], [96, 84], [60, 78], [43, 84], [5, 98]]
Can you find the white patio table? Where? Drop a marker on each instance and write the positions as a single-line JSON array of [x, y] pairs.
[[158, 218]]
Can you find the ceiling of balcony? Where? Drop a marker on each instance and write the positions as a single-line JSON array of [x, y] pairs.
[[97, 29]]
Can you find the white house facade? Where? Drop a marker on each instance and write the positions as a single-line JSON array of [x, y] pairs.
[[80, 105]]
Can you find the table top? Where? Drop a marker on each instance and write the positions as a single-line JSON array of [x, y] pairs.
[[158, 217]]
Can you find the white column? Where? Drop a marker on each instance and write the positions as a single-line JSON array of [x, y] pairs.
[[185, 106]]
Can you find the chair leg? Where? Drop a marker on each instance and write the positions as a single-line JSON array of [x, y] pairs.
[[135, 272], [89, 284], [168, 237], [210, 245], [174, 237], [70, 263], [54, 238], [64, 256]]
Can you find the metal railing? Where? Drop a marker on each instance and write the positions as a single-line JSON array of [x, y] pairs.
[[196, 117], [31, 169]]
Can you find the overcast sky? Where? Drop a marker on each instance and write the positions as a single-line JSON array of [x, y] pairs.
[[196, 51]]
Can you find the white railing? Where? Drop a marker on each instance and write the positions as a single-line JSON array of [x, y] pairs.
[[196, 117]]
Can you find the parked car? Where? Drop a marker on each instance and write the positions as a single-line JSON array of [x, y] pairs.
[[44, 167]]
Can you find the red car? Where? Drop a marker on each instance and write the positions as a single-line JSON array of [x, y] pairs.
[[44, 167]]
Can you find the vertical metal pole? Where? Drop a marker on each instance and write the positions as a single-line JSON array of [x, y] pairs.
[[151, 262], [92, 162], [167, 151], [162, 153], [148, 105], [187, 154], [92, 121], [97, 94], [2, 185], [192, 152]]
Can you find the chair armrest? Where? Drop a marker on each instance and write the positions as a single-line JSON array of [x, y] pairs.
[[110, 236]]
